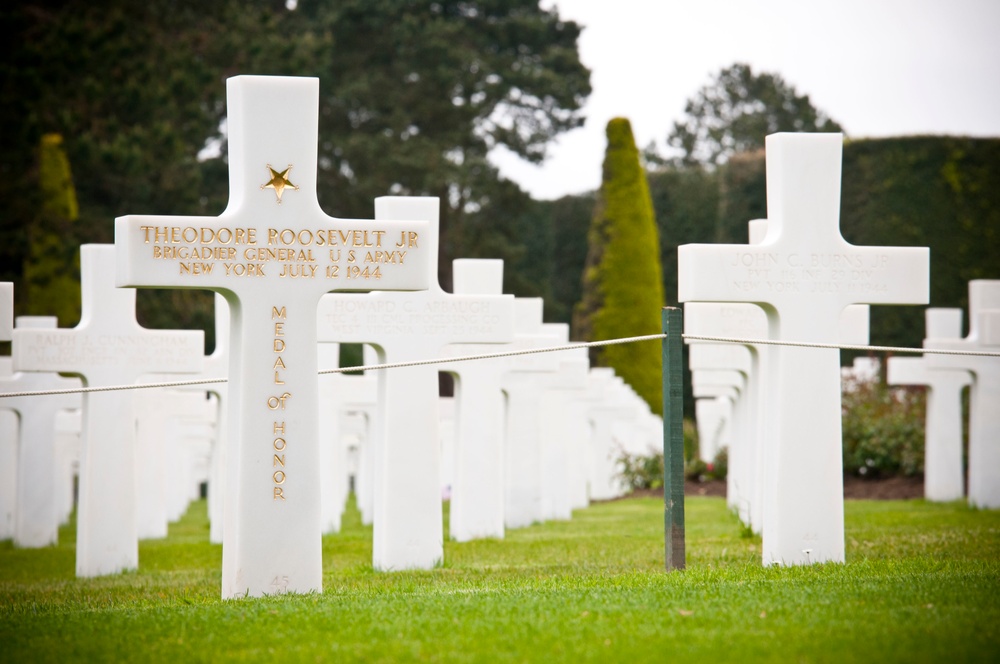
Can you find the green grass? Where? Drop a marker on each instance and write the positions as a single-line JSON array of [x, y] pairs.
[[922, 583]]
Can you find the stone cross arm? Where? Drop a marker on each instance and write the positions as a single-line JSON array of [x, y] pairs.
[[803, 256]]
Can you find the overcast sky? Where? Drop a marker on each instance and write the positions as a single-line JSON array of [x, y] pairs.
[[878, 67]]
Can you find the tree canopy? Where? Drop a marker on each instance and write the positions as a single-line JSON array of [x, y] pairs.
[[414, 95], [736, 111]]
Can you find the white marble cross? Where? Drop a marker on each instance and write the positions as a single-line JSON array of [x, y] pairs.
[[603, 480], [804, 274], [8, 421], [37, 510], [6, 310], [359, 429], [710, 414], [273, 253], [556, 427], [984, 415], [333, 453], [739, 424], [107, 348], [69, 424], [189, 449], [217, 366], [408, 528], [944, 474], [523, 384], [157, 411], [8, 457], [477, 492], [748, 321]]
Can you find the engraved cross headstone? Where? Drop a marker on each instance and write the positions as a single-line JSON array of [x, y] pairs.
[[272, 253], [37, 511], [523, 385], [984, 416], [556, 428], [107, 348], [408, 529], [603, 481], [477, 488], [333, 453], [8, 421], [156, 412], [804, 274], [944, 475], [6, 310], [748, 321]]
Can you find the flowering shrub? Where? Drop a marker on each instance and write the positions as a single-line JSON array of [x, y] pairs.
[[883, 430], [646, 471]]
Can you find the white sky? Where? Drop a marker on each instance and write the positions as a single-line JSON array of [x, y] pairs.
[[878, 67]]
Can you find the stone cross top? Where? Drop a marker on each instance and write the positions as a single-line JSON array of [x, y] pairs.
[[272, 253], [804, 274]]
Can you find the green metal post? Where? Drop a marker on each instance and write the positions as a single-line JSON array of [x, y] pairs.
[[673, 440]]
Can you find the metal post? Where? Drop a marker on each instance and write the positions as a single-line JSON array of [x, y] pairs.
[[673, 440]]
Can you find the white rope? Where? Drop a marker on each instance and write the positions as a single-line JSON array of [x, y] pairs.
[[512, 353], [367, 367], [810, 344]]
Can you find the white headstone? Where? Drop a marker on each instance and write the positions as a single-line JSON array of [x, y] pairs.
[[446, 410], [6, 310], [522, 444], [710, 414], [408, 528], [189, 443], [748, 321], [359, 427], [984, 416], [581, 439], [69, 424], [158, 412], [944, 473], [8, 421], [605, 480], [804, 274], [37, 511], [272, 254], [477, 490], [8, 457], [561, 441], [333, 453], [107, 348], [217, 366]]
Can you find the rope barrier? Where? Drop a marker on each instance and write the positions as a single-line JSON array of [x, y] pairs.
[[367, 367], [810, 344], [528, 351]]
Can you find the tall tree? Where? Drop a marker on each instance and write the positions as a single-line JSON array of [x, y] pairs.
[[414, 94], [622, 282], [736, 111], [51, 266]]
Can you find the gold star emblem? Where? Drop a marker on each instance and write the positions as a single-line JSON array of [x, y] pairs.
[[279, 182]]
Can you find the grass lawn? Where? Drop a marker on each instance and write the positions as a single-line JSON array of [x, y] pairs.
[[922, 583]]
